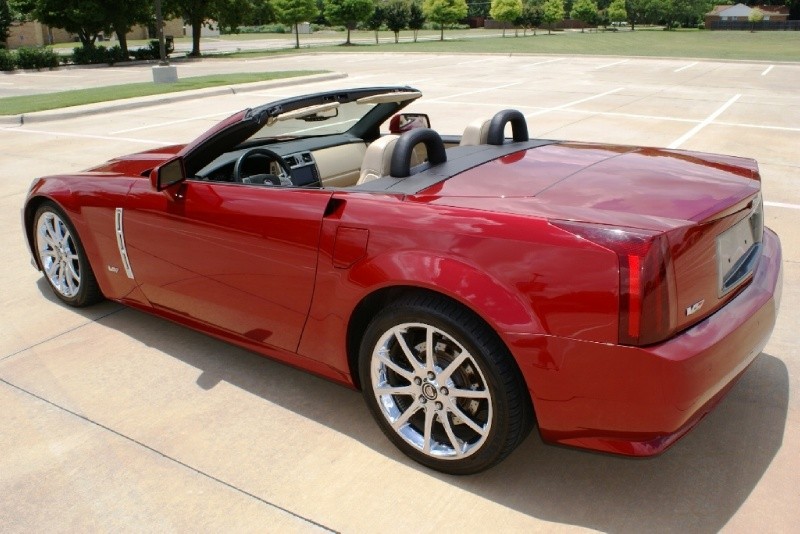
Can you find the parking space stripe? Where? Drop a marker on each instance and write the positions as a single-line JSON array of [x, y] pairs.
[[691, 133], [476, 91], [178, 121], [612, 64], [766, 71], [529, 65], [89, 136], [573, 103], [690, 65]]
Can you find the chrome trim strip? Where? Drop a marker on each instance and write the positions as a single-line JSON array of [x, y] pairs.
[[123, 253]]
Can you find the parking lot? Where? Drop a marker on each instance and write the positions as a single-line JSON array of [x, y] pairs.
[[116, 420]]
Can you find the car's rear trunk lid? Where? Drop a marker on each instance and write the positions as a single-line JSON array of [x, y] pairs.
[[708, 206]]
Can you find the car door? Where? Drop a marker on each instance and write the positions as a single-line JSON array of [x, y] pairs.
[[240, 258]]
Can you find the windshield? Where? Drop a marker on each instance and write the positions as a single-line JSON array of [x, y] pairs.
[[330, 121]]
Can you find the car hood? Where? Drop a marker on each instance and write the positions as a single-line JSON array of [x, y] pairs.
[[647, 187], [138, 164]]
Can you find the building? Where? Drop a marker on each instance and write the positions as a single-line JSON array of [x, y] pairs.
[[726, 14], [34, 33]]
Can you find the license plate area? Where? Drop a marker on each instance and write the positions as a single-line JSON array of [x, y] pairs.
[[738, 249]]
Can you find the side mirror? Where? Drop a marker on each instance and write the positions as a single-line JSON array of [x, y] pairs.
[[404, 122], [170, 173]]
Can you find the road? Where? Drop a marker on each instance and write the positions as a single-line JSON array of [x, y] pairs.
[[118, 421]]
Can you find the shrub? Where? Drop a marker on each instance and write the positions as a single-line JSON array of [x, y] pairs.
[[264, 28], [36, 58], [115, 55], [97, 55], [88, 55], [8, 61], [142, 54]]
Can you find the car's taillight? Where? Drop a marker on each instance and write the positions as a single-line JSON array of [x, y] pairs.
[[647, 293]]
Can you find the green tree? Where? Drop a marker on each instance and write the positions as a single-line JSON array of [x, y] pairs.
[[755, 16], [506, 11], [5, 20], [348, 13], [531, 16], [294, 12], [263, 13], [375, 20], [196, 12], [478, 8], [552, 12], [416, 17], [397, 14], [85, 18], [230, 14], [616, 11], [794, 9], [443, 12], [122, 15], [584, 11]]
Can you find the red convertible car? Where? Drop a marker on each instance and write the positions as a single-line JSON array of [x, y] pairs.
[[471, 286]]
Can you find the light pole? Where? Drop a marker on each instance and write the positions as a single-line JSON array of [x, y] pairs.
[[163, 72], [160, 31]]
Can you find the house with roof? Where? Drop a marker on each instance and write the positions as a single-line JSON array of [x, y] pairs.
[[724, 15]]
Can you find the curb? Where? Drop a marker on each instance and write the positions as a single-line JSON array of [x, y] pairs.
[[146, 101]]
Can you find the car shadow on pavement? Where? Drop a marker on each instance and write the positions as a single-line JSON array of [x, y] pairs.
[[697, 485]]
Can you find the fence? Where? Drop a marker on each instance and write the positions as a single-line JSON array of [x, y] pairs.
[[764, 25]]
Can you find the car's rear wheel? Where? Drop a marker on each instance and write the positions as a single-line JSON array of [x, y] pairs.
[[62, 257], [442, 385]]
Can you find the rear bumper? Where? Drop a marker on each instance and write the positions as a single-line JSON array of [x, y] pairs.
[[639, 400]]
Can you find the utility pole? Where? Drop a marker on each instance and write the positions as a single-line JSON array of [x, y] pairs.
[[163, 72], [162, 49]]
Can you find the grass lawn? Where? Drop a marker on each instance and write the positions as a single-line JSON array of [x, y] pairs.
[[766, 46], [15, 105]]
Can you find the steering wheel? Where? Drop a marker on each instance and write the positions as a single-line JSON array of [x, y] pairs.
[[262, 178]]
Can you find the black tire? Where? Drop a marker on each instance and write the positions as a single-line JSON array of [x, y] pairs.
[[476, 410], [62, 257]]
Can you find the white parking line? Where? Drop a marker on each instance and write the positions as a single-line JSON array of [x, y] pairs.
[[690, 65], [573, 103], [170, 123], [766, 71], [611, 64], [782, 205], [476, 91], [691, 133], [529, 65], [89, 136]]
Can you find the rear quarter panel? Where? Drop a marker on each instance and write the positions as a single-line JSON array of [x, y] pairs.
[[520, 274]]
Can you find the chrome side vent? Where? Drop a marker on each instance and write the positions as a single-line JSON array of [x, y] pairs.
[[123, 253]]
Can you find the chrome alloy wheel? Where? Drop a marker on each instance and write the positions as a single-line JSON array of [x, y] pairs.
[[431, 391], [58, 254]]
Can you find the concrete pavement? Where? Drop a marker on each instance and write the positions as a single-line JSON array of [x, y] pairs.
[[116, 420]]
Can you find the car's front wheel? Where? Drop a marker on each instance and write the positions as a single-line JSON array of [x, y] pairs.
[[442, 385], [62, 257]]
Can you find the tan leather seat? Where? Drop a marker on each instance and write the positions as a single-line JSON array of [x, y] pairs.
[[377, 159], [476, 133]]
